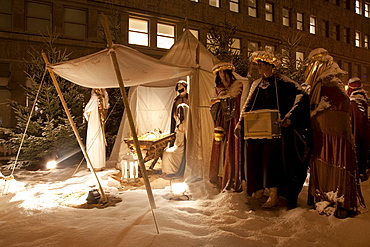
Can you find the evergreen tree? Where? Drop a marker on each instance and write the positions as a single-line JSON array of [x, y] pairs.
[[49, 134], [220, 43]]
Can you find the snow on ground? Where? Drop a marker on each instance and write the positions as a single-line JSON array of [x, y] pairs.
[[38, 211]]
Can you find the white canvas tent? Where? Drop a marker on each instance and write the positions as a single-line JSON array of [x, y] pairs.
[[152, 92]]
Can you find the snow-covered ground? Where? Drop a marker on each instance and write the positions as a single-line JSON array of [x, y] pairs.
[[38, 211]]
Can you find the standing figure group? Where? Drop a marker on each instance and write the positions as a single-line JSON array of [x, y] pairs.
[[315, 131]]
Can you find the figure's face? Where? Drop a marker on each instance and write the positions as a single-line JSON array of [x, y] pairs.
[[224, 76], [264, 68], [180, 87]]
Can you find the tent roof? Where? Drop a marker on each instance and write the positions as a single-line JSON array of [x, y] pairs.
[[97, 71]]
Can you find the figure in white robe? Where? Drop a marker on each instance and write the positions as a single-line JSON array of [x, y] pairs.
[[173, 160], [95, 138]]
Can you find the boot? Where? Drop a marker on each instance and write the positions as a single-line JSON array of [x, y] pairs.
[[273, 199], [258, 194]]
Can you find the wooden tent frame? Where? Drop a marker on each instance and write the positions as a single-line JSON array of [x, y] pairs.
[[112, 53]]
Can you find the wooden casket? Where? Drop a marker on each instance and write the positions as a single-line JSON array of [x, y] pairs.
[[262, 124]]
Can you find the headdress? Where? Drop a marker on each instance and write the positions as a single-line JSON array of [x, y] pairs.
[[223, 66], [265, 56], [354, 82], [182, 82]]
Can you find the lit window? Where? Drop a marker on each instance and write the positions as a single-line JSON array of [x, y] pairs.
[[252, 8], [252, 46], [195, 33], [214, 3], [358, 7], [165, 35], [367, 10], [235, 47], [299, 21], [366, 41], [194, 0], [325, 29], [38, 17], [270, 48], [286, 17], [6, 14], [358, 39], [234, 6], [211, 44], [138, 32], [299, 56], [75, 22], [312, 25], [269, 12]]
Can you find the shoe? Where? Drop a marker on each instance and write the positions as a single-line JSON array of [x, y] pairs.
[[273, 199]]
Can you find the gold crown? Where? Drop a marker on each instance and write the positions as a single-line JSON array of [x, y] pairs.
[[222, 66], [265, 56]]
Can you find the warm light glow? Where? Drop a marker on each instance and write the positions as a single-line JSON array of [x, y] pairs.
[[179, 188], [346, 87], [51, 164]]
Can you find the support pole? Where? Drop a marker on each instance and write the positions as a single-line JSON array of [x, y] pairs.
[[128, 112], [78, 137]]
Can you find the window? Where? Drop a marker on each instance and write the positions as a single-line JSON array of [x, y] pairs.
[[358, 7], [75, 22], [6, 14], [299, 21], [358, 39], [367, 10], [312, 25], [4, 74], [236, 47], [234, 6], [286, 17], [38, 17], [346, 35], [211, 46], [336, 31], [356, 70], [299, 57], [270, 48], [195, 33], [252, 46], [269, 16], [346, 67], [214, 3], [325, 29], [252, 8], [165, 35], [366, 41], [138, 32], [346, 4]]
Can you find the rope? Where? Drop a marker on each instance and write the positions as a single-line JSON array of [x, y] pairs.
[[6, 188]]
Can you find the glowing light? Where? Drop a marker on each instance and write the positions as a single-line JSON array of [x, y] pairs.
[[346, 87], [51, 164], [179, 188]]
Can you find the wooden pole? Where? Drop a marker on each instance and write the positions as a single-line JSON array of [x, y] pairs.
[[78, 137], [128, 112]]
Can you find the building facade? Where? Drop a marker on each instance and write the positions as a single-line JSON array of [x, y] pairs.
[[152, 26]]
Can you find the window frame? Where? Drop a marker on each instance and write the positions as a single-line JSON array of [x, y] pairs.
[[143, 32], [164, 36], [313, 24], [286, 18], [252, 9], [269, 15], [75, 23]]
